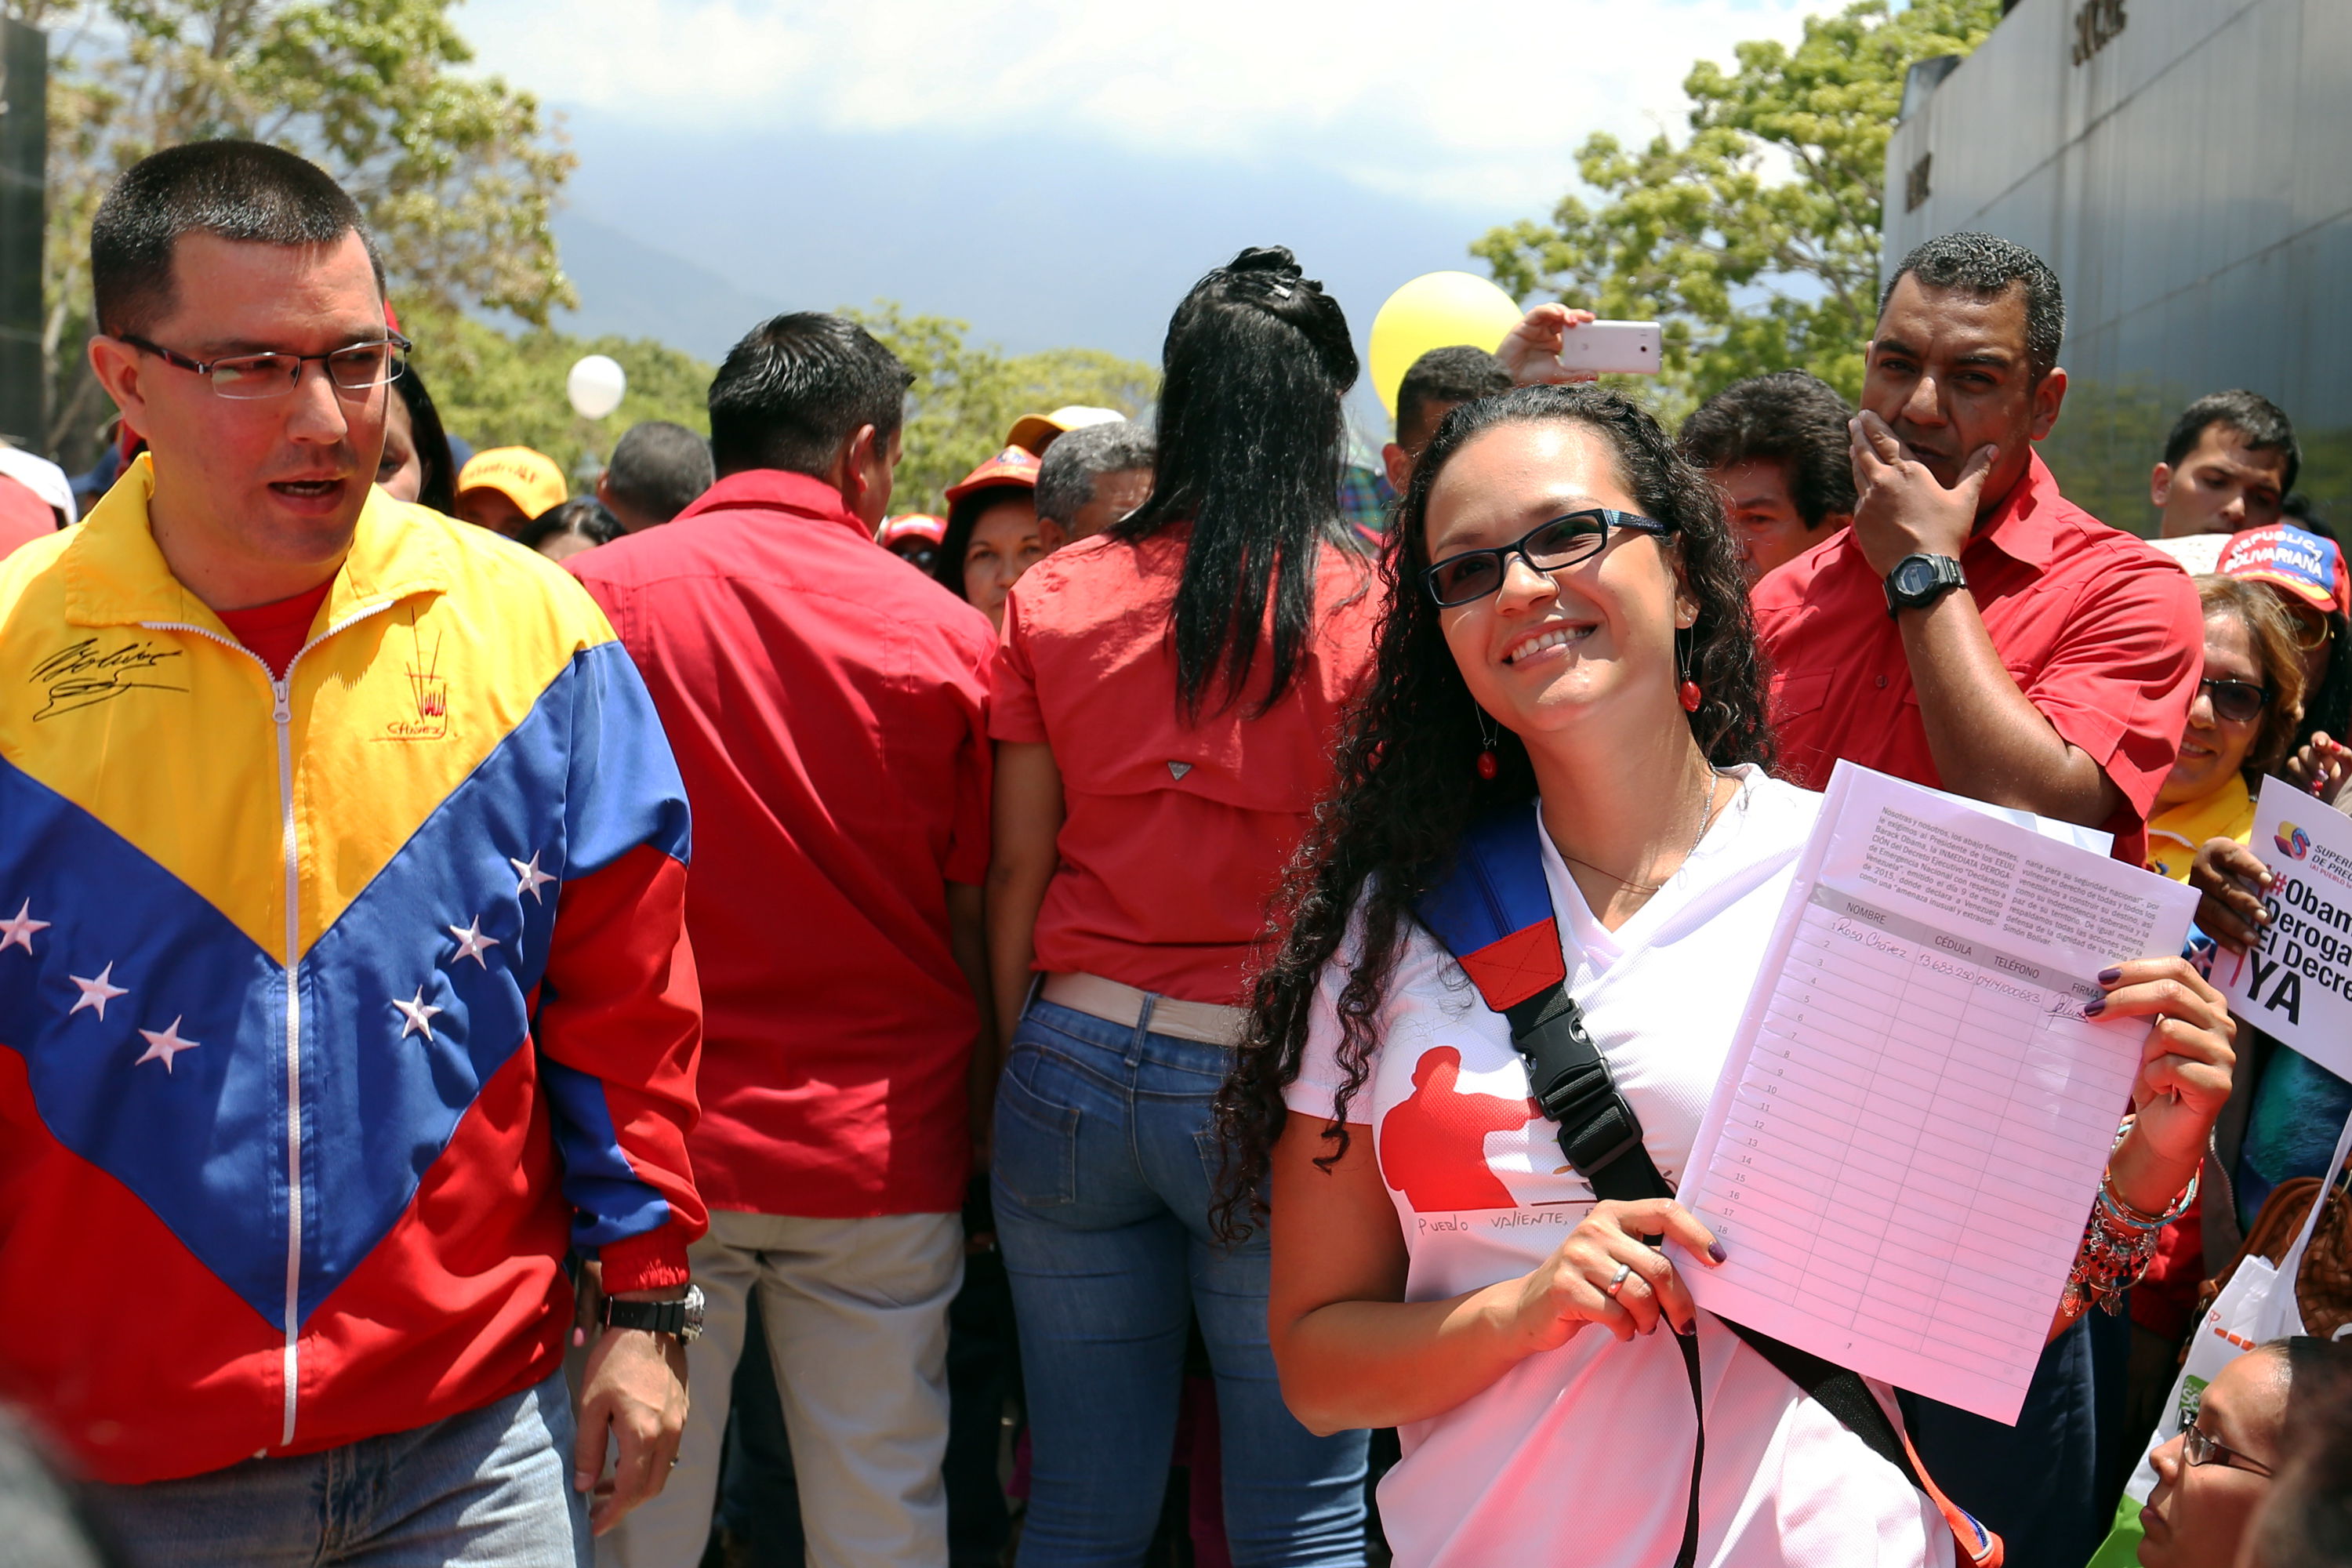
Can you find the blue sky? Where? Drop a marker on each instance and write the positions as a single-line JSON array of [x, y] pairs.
[[1057, 172]]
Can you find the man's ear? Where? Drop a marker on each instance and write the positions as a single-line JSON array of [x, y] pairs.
[[116, 365], [2160, 484], [2048, 393], [1052, 534], [1399, 463], [849, 475]]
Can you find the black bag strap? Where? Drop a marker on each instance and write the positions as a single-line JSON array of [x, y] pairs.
[[1601, 1137]]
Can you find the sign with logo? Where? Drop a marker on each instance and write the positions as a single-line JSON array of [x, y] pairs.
[[2297, 985]]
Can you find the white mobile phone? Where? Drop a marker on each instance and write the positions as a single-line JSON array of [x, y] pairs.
[[1625, 348]]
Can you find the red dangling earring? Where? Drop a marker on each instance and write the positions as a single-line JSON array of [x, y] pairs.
[[1487, 764], [1687, 693]]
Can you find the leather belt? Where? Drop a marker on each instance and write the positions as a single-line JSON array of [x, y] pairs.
[[1114, 1003]]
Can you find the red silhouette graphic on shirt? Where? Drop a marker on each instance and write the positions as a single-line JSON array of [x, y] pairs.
[[1433, 1144]]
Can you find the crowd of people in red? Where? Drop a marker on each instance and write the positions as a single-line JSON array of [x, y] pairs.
[[719, 1022]]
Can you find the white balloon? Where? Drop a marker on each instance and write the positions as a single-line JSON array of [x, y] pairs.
[[595, 385]]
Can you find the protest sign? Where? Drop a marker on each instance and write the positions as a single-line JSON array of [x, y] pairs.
[[2297, 984]]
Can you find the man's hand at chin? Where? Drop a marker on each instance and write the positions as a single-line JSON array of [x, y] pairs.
[[1904, 509]]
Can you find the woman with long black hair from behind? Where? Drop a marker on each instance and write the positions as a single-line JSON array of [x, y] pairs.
[[1166, 700], [1567, 650]]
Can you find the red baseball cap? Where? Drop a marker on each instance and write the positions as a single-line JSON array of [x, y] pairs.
[[2307, 566], [914, 525], [1012, 466]]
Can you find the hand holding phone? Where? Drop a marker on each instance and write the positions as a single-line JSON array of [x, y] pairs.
[[1553, 344]]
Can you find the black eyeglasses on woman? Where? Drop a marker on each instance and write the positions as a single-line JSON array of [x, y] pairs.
[[1548, 546]]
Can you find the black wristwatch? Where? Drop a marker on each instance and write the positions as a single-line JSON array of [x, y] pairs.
[[681, 1318], [1918, 581]]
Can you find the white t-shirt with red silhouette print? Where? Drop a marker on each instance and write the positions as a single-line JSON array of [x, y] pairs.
[[1580, 1456]]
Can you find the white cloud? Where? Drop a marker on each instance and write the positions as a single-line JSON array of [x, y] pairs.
[[1472, 102]]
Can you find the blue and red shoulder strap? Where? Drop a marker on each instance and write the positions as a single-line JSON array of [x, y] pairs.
[[1493, 912]]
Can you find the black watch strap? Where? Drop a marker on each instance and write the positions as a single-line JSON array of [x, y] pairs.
[[1918, 581], [681, 1319]]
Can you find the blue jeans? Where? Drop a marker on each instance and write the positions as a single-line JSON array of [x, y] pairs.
[[1105, 1161], [490, 1489]]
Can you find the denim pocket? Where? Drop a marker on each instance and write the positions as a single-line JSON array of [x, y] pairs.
[[1036, 1154]]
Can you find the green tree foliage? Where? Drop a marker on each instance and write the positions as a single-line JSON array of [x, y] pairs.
[[1747, 270], [966, 398], [497, 390], [494, 389], [456, 172]]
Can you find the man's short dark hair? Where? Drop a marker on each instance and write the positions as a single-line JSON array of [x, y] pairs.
[[796, 388], [1788, 417], [2261, 424], [1985, 266], [1447, 375], [1066, 474], [658, 469], [245, 191]]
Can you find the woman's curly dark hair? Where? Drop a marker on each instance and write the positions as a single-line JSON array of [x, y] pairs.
[[1407, 790]]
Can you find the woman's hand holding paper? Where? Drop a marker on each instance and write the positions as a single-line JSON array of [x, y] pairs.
[[1573, 1286], [2184, 1075]]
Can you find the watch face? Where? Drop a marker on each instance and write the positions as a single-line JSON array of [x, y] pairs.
[[1914, 574]]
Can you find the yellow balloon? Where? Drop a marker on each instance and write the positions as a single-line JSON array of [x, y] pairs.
[[1436, 311]]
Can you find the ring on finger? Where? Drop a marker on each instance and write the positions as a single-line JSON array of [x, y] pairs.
[[1617, 1280]]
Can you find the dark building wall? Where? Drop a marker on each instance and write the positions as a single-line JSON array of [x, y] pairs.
[[2186, 166], [23, 129]]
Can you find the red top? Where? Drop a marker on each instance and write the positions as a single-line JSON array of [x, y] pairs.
[[1175, 835], [24, 516], [827, 704], [277, 631], [2101, 632]]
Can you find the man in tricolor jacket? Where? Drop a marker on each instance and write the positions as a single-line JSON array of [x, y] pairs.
[[344, 982]]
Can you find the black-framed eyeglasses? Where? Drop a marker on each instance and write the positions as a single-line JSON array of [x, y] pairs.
[[2199, 1447], [249, 377], [1546, 547], [2238, 701]]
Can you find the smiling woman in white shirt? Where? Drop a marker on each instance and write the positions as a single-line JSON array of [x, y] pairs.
[[1567, 636]]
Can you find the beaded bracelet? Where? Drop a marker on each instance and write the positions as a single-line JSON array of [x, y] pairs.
[[2119, 1242]]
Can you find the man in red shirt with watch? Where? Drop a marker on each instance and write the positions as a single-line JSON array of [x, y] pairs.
[[828, 706], [1976, 631]]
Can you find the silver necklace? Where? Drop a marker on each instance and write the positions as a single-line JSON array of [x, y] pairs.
[[1706, 820]]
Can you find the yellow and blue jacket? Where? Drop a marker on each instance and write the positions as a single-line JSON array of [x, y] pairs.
[[333, 1009]]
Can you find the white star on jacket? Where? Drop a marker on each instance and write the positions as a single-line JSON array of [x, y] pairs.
[[533, 878], [96, 992], [472, 943], [162, 1047], [419, 1014], [18, 932]]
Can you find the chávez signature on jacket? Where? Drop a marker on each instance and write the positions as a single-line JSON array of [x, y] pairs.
[[82, 674]]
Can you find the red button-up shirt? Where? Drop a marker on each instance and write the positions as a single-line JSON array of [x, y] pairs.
[[1176, 831], [827, 704], [2102, 633], [24, 516]]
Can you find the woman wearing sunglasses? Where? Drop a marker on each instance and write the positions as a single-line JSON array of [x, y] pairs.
[[1566, 633], [2239, 726]]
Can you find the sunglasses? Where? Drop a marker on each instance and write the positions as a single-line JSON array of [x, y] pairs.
[[1548, 546], [2200, 1448], [2238, 701]]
